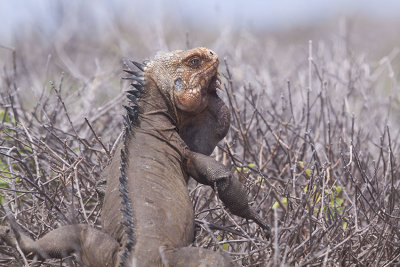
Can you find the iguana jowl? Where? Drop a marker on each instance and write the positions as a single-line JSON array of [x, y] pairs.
[[173, 123]]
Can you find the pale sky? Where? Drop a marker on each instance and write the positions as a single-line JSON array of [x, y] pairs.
[[271, 14]]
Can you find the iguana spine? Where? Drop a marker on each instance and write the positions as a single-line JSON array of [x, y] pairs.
[[130, 119]]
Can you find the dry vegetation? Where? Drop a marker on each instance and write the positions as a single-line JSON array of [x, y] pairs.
[[314, 136]]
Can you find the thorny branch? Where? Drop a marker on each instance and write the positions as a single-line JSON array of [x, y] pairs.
[[320, 165]]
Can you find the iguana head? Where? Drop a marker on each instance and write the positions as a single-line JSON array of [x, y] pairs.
[[185, 82], [188, 77]]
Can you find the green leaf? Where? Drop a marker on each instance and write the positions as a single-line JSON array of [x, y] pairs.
[[3, 184], [276, 204], [225, 245], [338, 189], [344, 225], [318, 197], [301, 164], [5, 117]]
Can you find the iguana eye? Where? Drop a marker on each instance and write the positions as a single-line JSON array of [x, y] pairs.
[[194, 62]]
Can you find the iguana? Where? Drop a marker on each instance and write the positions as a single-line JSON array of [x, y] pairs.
[[174, 121]]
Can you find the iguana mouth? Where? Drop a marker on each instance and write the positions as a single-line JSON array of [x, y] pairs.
[[196, 99], [214, 84]]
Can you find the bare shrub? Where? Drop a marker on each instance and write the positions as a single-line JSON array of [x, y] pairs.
[[314, 136]]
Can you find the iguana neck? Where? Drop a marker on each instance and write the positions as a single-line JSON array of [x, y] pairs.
[[28, 245], [156, 111]]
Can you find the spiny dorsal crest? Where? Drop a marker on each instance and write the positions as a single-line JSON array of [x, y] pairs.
[[131, 118], [137, 78]]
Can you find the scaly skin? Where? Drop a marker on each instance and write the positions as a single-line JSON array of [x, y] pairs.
[[169, 134], [80, 239]]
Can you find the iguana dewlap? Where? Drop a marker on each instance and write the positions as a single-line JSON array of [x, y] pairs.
[[174, 121]]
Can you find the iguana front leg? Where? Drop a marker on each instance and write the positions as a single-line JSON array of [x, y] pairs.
[[207, 170]]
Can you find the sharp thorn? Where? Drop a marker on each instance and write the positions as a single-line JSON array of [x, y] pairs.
[[137, 86], [134, 92], [140, 66], [127, 124], [136, 73], [127, 214], [126, 224], [130, 110], [132, 117], [139, 79], [131, 97], [129, 246]]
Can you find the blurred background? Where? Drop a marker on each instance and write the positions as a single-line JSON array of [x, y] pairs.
[[164, 25], [161, 19], [89, 38]]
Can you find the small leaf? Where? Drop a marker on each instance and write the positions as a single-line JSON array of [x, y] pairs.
[[338, 189], [318, 197], [276, 204], [3, 184], [301, 164], [344, 225]]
